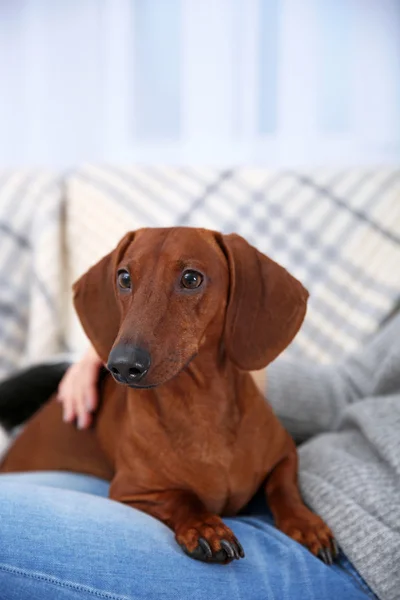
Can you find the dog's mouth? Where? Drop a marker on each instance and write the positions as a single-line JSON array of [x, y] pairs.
[[143, 386], [149, 386]]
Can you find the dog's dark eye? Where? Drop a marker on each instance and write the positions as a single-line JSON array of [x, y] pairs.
[[124, 280], [192, 279]]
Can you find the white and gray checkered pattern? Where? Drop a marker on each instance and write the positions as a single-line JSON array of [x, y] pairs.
[[338, 232], [31, 279]]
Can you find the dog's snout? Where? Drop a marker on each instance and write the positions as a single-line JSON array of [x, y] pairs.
[[128, 364]]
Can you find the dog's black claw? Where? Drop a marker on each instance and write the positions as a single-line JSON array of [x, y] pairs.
[[240, 549], [203, 552], [205, 546], [229, 549], [236, 549], [335, 548], [325, 555], [199, 553], [220, 557]]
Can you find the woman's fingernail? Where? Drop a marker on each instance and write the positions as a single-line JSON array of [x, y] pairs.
[[81, 422]]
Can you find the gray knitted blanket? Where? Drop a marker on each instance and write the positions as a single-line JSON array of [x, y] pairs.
[[349, 415]]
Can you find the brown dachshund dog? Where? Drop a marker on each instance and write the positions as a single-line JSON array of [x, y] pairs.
[[180, 316]]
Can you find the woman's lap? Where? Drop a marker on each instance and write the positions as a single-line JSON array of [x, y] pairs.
[[61, 538], [61, 480]]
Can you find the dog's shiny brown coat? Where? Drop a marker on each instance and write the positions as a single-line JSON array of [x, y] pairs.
[[200, 439]]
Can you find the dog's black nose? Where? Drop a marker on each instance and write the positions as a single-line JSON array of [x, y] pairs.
[[128, 364]]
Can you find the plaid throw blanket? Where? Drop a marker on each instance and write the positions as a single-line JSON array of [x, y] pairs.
[[337, 231], [31, 280]]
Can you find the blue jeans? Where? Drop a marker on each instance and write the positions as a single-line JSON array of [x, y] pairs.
[[61, 538]]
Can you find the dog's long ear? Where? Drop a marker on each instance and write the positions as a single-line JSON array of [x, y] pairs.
[[95, 301], [266, 305]]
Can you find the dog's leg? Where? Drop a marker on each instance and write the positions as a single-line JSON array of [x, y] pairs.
[[292, 516], [201, 534]]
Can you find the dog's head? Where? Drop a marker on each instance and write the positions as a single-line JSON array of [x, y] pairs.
[[149, 306]]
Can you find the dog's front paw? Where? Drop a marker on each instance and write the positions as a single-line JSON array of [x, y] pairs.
[[209, 540], [309, 529]]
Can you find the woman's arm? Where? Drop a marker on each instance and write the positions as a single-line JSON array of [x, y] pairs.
[[310, 398], [307, 398]]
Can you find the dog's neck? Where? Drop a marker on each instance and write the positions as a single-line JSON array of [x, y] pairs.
[[206, 389], [208, 364]]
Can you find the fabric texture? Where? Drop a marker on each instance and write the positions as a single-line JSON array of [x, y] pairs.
[[350, 469], [336, 231], [72, 543], [31, 281]]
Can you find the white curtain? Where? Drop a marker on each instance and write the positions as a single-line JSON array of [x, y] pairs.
[[278, 82]]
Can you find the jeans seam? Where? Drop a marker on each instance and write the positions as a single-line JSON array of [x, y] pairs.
[[62, 583], [356, 578], [354, 582]]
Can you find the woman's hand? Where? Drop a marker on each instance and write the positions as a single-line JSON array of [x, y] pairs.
[[260, 378], [78, 389]]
